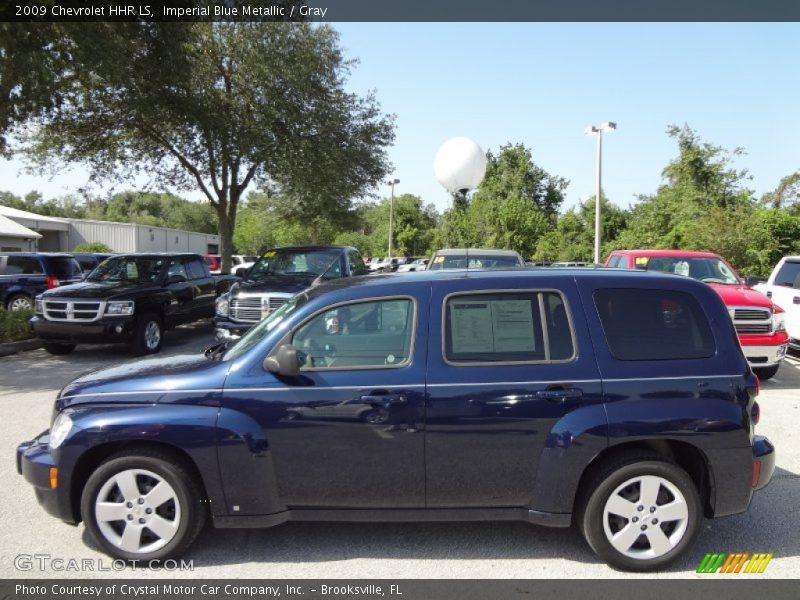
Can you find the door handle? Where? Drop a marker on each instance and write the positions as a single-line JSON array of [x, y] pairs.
[[796, 300], [769, 294], [560, 395], [388, 399]]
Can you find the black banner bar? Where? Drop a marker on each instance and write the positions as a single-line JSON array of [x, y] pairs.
[[332, 11], [401, 589]]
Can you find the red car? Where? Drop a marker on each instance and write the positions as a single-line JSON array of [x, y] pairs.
[[758, 322]]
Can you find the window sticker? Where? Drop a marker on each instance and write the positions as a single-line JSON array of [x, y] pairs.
[[269, 254], [682, 268], [512, 321], [492, 326], [641, 261], [438, 259]]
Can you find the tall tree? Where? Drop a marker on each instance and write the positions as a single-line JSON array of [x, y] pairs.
[[515, 205], [217, 107]]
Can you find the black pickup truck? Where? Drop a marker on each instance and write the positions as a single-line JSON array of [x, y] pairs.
[[276, 276], [130, 298]]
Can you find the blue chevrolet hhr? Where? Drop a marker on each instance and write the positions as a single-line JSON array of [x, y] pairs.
[[620, 402]]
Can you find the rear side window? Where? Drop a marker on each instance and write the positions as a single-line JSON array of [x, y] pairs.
[[617, 262], [789, 275], [63, 267], [654, 324], [508, 327], [195, 269], [23, 265]]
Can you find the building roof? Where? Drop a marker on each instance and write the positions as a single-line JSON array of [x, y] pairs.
[[29, 219], [9, 228]]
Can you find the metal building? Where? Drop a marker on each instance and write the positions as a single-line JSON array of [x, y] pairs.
[[62, 235]]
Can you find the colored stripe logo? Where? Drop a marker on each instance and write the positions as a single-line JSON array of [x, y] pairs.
[[737, 562]]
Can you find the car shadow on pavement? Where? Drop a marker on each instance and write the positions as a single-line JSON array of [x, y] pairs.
[[37, 370], [770, 525]]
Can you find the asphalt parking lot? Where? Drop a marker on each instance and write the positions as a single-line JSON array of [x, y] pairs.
[[29, 382]]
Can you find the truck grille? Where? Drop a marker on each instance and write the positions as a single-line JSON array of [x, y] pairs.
[[751, 320], [251, 309], [753, 327], [751, 314], [77, 311]]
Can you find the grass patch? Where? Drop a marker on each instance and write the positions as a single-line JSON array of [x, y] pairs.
[[14, 325]]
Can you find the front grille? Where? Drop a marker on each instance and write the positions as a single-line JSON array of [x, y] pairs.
[[78, 311], [751, 314], [753, 327], [246, 309], [251, 309]]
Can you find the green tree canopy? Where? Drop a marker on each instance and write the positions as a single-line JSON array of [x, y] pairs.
[[211, 106]]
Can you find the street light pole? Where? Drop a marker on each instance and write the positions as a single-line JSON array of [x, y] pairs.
[[598, 131], [392, 183]]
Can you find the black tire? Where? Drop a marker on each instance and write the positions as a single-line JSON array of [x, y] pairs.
[[58, 349], [141, 346], [765, 373], [19, 302], [604, 483], [188, 492]]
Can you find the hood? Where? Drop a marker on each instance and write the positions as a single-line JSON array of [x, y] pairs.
[[98, 290], [151, 380], [741, 295], [289, 284]]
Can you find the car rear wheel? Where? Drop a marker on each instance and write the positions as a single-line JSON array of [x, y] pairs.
[[20, 302], [765, 373], [58, 349], [149, 334], [640, 513], [143, 506]]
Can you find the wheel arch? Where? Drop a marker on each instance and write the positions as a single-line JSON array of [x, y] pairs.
[[95, 456], [684, 454]]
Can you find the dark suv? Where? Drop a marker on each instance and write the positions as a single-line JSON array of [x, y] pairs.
[[620, 402], [24, 275]]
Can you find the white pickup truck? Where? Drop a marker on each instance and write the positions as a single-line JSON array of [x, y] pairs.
[[783, 287]]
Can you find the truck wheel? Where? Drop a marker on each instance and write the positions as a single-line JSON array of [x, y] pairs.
[[143, 506], [640, 513], [765, 373], [20, 302], [58, 349], [149, 334]]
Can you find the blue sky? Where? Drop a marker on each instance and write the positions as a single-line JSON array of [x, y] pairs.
[[541, 84]]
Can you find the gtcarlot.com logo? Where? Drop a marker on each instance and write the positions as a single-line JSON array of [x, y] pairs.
[[737, 562]]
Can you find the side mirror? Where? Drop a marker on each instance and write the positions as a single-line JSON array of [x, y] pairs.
[[283, 361], [753, 280], [175, 279]]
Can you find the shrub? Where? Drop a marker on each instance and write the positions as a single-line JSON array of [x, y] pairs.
[[14, 325], [92, 247]]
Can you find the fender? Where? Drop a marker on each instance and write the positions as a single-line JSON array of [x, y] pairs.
[[190, 429], [246, 467], [571, 445]]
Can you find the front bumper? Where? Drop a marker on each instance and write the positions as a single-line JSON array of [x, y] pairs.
[[34, 462], [764, 455], [763, 355], [105, 330], [226, 330]]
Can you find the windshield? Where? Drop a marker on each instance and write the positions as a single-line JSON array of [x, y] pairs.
[[298, 262], [257, 333], [129, 268], [709, 270], [476, 261]]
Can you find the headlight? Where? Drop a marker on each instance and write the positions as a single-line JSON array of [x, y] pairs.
[[121, 307], [223, 306], [60, 430], [38, 305]]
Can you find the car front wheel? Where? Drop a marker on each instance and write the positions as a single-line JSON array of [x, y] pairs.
[[765, 373], [143, 507], [20, 302], [149, 334], [640, 514]]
